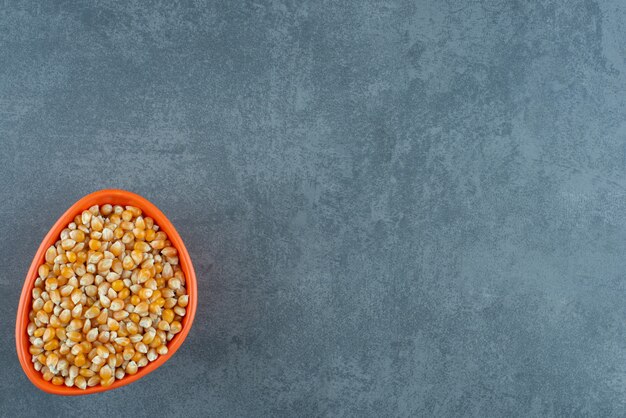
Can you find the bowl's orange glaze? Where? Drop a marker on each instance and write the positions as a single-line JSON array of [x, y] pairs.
[[114, 197]]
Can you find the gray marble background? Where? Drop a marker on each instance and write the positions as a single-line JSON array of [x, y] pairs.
[[394, 208]]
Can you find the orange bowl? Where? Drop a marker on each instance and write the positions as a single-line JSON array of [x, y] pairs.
[[114, 197]]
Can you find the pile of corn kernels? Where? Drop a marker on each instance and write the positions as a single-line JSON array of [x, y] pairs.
[[108, 299]]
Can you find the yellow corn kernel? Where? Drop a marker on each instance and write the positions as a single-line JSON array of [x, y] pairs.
[[132, 328], [124, 293], [85, 217], [81, 257], [61, 334], [43, 271], [35, 350], [94, 244], [141, 309], [174, 283], [86, 345], [135, 299], [107, 235], [65, 290], [42, 316], [75, 336], [80, 382], [38, 304], [48, 334], [115, 218], [128, 352], [55, 296], [77, 235], [47, 307], [169, 252], [104, 337], [141, 348], [131, 368], [128, 263], [139, 234], [168, 315], [39, 332], [122, 341], [151, 284], [136, 356], [76, 295], [117, 305], [134, 210], [65, 316], [118, 233], [51, 253], [117, 285], [170, 303], [68, 244], [67, 272], [149, 222], [127, 215], [71, 256], [116, 248], [119, 315], [107, 382], [134, 317], [102, 352], [96, 224], [148, 337], [102, 318], [57, 380], [104, 265], [137, 256], [150, 234], [106, 209], [142, 246], [92, 312], [127, 226], [80, 360], [51, 283], [48, 375], [157, 341], [157, 244], [175, 327], [145, 293], [77, 311], [113, 324], [117, 267], [163, 325], [93, 381], [105, 301], [91, 335], [52, 360], [154, 308]]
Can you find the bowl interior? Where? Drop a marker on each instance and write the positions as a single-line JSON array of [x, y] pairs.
[[115, 197]]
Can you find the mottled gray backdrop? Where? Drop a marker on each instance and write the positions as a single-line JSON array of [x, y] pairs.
[[394, 208]]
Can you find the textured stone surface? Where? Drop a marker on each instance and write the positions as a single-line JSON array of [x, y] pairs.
[[394, 208]]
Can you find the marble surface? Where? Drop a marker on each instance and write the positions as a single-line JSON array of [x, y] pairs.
[[394, 208]]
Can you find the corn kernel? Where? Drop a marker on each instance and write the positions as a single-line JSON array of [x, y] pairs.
[[149, 235], [117, 285]]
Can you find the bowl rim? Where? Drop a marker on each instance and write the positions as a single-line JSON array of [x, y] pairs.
[[100, 197]]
